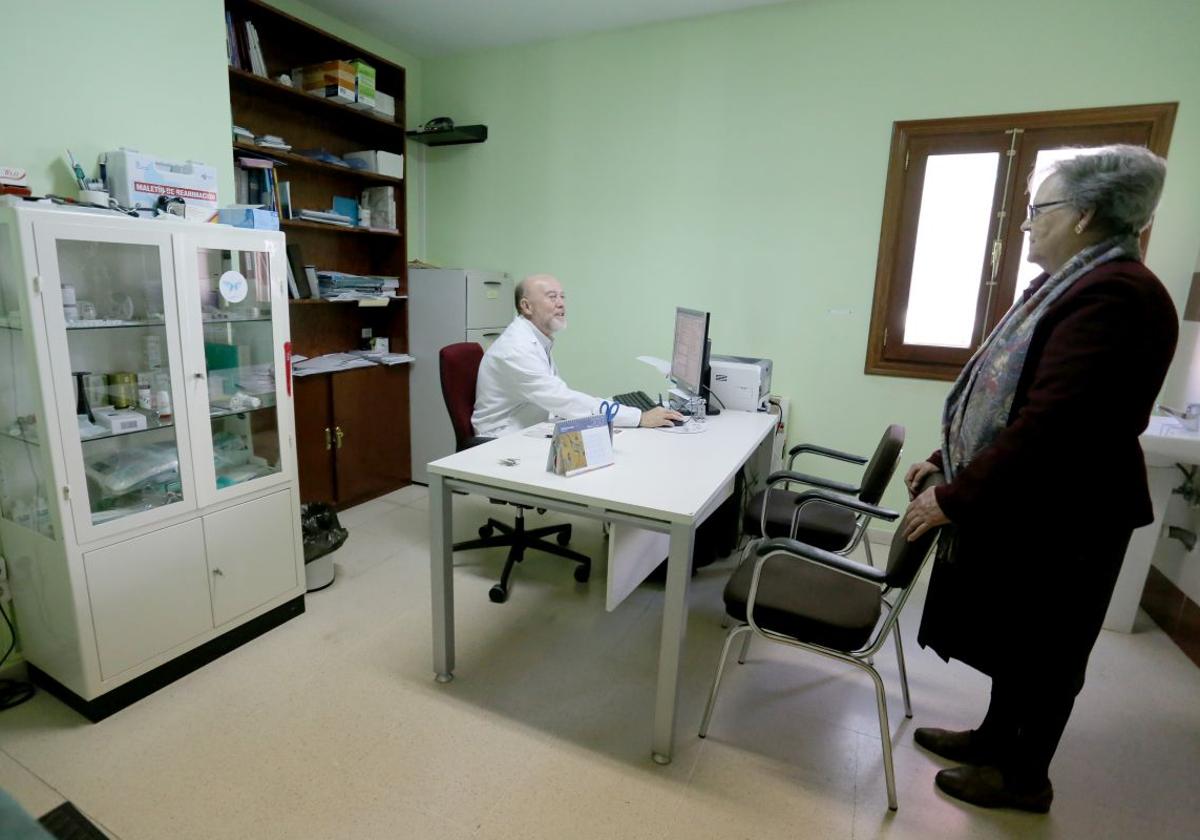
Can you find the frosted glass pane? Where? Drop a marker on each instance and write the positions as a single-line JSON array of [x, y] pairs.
[[1045, 158], [951, 248]]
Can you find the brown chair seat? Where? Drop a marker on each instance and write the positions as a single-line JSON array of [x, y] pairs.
[[807, 602], [821, 524]]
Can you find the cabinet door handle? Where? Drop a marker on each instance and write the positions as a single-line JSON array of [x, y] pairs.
[[198, 375], [338, 431], [328, 439], [218, 573]]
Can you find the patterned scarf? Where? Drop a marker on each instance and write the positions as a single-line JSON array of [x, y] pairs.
[[978, 406]]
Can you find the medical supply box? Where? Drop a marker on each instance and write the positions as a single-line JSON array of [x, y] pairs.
[[377, 160], [741, 383], [138, 180]]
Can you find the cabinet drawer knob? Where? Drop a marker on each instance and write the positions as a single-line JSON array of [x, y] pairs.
[[218, 573]]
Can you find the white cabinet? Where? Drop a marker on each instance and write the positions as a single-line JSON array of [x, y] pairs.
[[446, 306], [147, 456]]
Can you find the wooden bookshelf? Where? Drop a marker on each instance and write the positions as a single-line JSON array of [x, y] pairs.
[[370, 407]]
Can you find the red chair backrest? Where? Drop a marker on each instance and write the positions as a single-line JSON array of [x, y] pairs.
[[459, 365]]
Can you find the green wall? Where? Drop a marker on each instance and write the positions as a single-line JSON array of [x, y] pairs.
[[736, 163], [94, 77], [138, 73]]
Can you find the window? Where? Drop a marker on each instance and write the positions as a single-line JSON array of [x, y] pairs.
[[952, 255]]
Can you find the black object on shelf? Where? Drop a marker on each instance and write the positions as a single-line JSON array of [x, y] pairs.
[[457, 136], [81, 400]]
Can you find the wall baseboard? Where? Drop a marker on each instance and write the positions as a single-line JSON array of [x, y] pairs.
[[1173, 611]]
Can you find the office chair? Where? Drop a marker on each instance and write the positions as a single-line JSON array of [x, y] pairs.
[[775, 511], [808, 598], [459, 365]]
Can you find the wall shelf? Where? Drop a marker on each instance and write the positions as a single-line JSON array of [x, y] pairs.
[[460, 135]]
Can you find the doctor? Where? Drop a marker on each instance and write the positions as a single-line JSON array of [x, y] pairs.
[[518, 383]]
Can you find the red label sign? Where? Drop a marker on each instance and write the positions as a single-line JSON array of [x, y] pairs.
[[287, 364], [180, 192]]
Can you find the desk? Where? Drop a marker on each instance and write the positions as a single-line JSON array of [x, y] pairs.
[[1165, 444], [661, 482]]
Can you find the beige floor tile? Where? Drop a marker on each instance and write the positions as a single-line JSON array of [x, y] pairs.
[[358, 514], [30, 792], [332, 725]]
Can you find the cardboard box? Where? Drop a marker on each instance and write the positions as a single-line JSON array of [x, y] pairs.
[[137, 180], [385, 105], [364, 84], [384, 163], [249, 217], [331, 80]]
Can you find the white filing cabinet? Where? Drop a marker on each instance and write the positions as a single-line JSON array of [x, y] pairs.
[[143, 545], [446, 306]]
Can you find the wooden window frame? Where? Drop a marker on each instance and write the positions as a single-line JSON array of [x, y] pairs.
[[913, 141]]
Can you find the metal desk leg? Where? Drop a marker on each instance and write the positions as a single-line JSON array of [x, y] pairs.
[[441, 565], [674, 628]]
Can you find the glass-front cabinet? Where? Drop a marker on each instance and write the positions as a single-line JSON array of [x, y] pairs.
[[148, 502], [112, 330], [26, 495], [160, 382], [236, 309]]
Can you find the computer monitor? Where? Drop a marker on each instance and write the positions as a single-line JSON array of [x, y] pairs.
[[690, 352]]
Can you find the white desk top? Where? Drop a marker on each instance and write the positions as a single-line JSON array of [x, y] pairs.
[[669, 477], [1166, 442]]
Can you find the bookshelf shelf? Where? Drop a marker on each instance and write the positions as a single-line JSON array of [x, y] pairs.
[[271, 89], [370, 405], [293, 159], [303, 224]]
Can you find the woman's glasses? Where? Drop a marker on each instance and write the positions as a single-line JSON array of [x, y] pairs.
[[1036, 210]]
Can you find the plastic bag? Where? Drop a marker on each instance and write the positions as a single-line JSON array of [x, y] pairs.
[[322, 531]]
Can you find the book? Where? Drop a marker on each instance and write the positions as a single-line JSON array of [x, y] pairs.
[[326, 216], [314, 285], [296, 267], [285, 199], [258, 66], [231, 43], [293, 289]]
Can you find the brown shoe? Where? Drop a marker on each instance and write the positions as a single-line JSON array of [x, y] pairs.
[[985, 787], [964, 747]]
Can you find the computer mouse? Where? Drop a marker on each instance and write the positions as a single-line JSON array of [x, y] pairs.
[[679, 422]]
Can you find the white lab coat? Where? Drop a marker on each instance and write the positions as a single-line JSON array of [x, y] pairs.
[[519, 386]]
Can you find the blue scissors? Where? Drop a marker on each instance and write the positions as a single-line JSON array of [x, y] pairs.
[[610, 410]]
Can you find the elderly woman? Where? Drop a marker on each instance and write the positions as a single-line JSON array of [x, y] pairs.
[[1045, 479]]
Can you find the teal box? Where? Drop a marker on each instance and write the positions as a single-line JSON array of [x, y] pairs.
[[249, 217]]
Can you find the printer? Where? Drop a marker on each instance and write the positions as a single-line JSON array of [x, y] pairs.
[[740, 383]]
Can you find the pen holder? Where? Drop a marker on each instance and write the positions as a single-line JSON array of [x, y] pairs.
[[97, 198]]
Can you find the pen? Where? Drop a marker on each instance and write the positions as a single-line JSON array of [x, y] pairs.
[[78, 170]]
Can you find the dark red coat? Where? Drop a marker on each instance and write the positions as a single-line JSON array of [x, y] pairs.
[[1066, 472]]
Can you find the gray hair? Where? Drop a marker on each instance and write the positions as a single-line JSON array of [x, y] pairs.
[[519, 293], [1122, 184]]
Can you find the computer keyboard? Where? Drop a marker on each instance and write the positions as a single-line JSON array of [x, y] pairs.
[[637, 399]]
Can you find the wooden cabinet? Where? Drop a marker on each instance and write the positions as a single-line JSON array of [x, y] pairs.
[[374, 454], [352, 421]]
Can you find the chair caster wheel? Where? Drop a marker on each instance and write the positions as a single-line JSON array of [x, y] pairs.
[[498, 594], [582, 573], [485, 531], [563, 537]]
